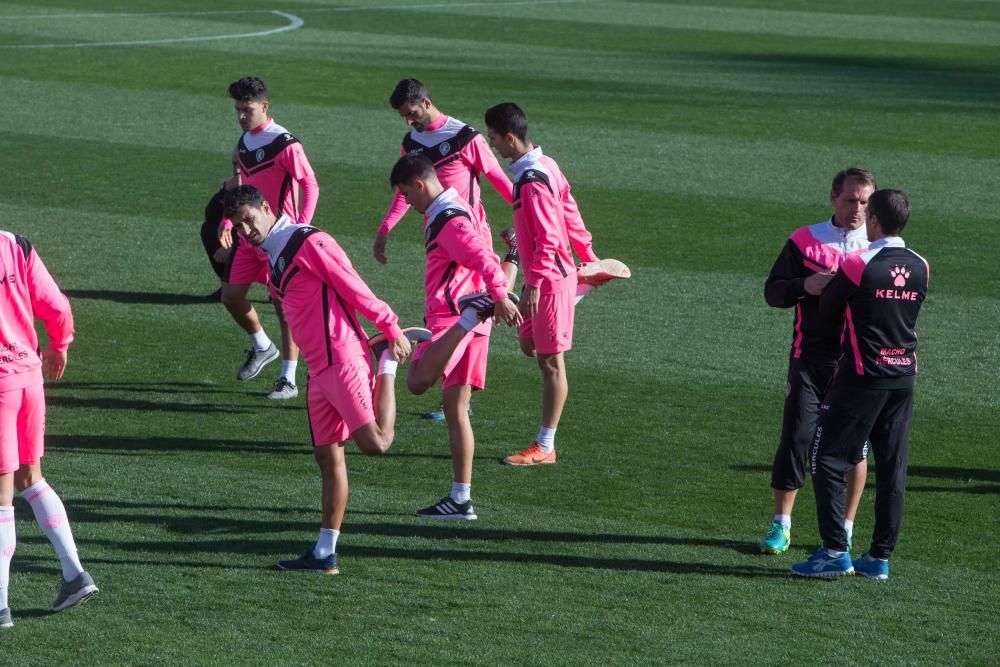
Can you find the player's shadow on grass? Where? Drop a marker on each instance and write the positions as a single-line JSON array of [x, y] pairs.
[[987, 481], [148, 406], [176, 550], [142, 387], [149, 298], [126, 445]]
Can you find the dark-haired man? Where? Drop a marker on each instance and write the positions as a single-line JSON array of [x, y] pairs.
[[460, 263], [27, 293], [272, 160], [459, 154], [321, 293], [871, 399], [546, 221], [811, 257]]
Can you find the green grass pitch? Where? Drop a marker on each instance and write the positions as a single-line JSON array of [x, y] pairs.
[[697, 137]]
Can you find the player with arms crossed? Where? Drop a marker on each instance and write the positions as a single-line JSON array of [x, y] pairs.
[[27, 292], [272, 160], [321, 291], [460, 266], [809, 260], [546, 221], [871, 399]]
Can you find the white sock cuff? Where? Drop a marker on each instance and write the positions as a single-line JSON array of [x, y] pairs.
[[35, 490], [288, 369], [784, 519], [260, 341], [8, 509]]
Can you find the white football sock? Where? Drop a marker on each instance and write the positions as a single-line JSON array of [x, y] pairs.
[[260, 341], [469, 319], [387, 364], [849, 527], [461, 493], [8, 541], [546, 439], [51, 517], [784, 519], [288, 369], [326, 545], [582, 291]]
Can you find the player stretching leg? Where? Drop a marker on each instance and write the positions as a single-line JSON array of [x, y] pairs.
[[460, 261], [321, 293], [546, 220], [460, 155], [272, 160], [31, 294]]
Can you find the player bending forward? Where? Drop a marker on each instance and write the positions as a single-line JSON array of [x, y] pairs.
[[27, 292], [320, 292], [460, 264], [546, 221]]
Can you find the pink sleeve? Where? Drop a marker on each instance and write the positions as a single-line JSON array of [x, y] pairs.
[[297, 165], [330, 263], [542, 213], [396, 211], [579, 237], [49, 304], [485, 162], [460, 240]]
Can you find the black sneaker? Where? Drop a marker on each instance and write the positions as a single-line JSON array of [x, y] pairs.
[[256, 360], [482, 303], [449, 510], [379, 343]]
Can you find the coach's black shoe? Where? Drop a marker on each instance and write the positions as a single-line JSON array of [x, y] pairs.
[[482, 303], [449, 510], [379, 343]]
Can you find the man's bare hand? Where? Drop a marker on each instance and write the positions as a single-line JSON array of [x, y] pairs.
[[505, 311], [817, 282], [53, 363], [529, 302], [379, 247], [400, 349]]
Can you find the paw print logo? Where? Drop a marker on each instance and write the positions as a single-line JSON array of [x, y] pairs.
[[899, 274]]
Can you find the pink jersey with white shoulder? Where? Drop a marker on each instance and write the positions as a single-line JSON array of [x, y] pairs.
[[459, 153], [272, 160], [460, 259], [320, 292], [540, 223], [27, 292]]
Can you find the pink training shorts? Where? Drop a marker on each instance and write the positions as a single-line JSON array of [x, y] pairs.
[[468, 362], [552, 326], [22, 427], [247, 264], [339, 401]]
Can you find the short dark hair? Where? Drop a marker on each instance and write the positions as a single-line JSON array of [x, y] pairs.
[[857, 173], [892, 209], [248, 89], [411, 166], [508, 118], [407, 91], [244, 194]]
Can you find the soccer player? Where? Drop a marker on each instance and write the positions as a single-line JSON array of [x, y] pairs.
[[460, 263], [459, 154], [807, 263], [871, 397], [27, 293], [272, 160], [546, 221], [321, 291]]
